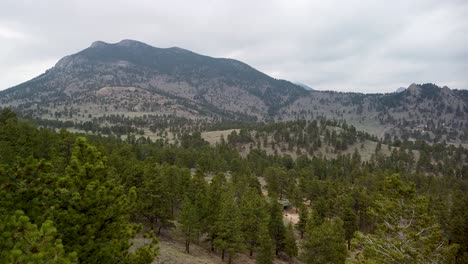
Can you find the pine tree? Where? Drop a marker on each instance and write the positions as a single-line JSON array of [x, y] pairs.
[[405, 232], [252, 209], [215, 192], [315, 218], [303, 219], [290, 246], [229, 227], [349, 224], [92, 209], [273, 182], [194, 210], [189, 218], [276, 226], [324, 243], [154, 198], [265, 245], [24, 242]]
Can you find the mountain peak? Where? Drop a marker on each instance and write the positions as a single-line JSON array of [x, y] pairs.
[[399, 90], [97, 44], [130, 43], [123, 43]]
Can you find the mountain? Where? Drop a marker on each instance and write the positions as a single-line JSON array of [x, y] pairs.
[[399, 90], [130, 76], [133, 85], [305, 86], [421, 112]]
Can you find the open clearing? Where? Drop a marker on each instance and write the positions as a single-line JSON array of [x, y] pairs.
[[214, 137]]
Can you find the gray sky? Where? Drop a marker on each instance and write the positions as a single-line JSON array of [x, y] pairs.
[[349, 45]]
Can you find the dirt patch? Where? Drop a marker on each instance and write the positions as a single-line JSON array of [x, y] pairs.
[[214, 137], [172, 251], [291, 216]]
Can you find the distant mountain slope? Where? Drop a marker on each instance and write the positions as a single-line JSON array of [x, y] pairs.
[[399, 90], [305, 86], [133, 84], [420, 112], [195, 81]]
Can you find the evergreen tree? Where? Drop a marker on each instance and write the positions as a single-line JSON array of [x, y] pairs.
[[215, 193], [154, 198], [189, 218], [405, 233], [228, 227], [253, 210], [265, 245], [290, 246], [24, 242], [349, 224], [92, 209], [194, 209], [276, 226], [458, 225], [324, 243], [303, 219]]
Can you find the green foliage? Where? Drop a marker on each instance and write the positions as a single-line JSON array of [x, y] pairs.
[[146, 253], [265, 245], [253, 211], [406, 232], [24, 242], [458, 225], [157, 195], [290, 246], [97, 208], [276, 226], [303, 219], [229, 236], [190, 221], [324, 243], [87, 188]]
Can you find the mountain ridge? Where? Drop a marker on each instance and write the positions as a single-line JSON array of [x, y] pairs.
[[134, 79]]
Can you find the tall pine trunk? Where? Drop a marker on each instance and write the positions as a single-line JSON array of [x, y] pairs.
[[187, 246], [212, 243]]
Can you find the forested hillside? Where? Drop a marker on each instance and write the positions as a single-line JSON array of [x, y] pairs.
[[70, 198]]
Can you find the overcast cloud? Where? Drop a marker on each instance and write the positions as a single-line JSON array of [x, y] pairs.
[[349, 45]]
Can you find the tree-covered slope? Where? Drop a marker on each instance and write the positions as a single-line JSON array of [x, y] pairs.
[[70, 199]]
